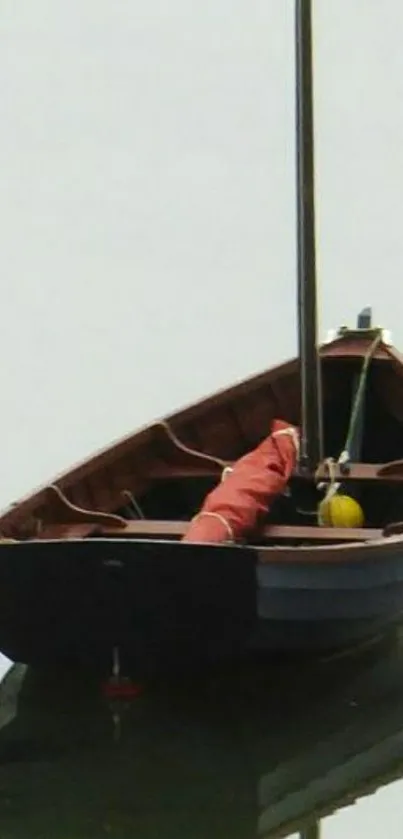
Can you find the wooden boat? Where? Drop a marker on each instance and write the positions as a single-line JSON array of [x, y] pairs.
[[98, 559], [95, 564]]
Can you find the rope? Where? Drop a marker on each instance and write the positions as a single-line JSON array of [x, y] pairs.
[[332, 486], [219, 518], [136, 506], [223, 464], [344, 457], [290, 431], [358, 397]]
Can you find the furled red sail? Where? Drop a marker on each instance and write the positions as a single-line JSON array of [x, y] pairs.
[[238, 504]]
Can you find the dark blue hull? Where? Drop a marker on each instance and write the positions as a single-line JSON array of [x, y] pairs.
[[329, 603], [162, 602]]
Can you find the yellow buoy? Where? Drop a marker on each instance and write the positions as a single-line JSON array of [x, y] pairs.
[[341, 511]]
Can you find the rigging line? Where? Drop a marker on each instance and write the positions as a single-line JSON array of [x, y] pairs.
[[193, 452]]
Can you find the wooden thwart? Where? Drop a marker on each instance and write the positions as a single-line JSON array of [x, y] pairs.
[[72, 522], [391, 471], [144, 529], [176, 529], [382, 472]]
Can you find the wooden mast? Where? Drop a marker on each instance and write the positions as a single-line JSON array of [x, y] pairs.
[[311, 449], [311, 831]]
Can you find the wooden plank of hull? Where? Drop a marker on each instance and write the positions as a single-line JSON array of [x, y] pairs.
[[159, 602]]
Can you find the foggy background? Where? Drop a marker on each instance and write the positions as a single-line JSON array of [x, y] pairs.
[[147, 225]]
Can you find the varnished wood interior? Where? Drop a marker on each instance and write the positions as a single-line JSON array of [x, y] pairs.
[[169, 483]]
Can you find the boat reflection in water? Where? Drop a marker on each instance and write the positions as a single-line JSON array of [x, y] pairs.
[[266, 752]]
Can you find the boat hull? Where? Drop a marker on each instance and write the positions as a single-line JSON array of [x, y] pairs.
[[165, 603]]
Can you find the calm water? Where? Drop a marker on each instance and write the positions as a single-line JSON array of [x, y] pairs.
[[262, 752]]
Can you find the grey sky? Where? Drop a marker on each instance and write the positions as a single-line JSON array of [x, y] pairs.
[[147, 218], [147, 205]]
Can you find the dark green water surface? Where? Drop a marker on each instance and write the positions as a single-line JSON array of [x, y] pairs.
[[298, 749]]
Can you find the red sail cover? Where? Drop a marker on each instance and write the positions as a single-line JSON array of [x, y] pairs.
[[238, 504]]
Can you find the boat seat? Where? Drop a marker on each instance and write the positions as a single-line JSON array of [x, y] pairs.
[[391, 472], [145, 529], [394, 469], [276, 533]]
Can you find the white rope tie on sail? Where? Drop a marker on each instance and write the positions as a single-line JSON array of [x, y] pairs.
[[290, 431], [221, 519], [332, 485], [330, 463]]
